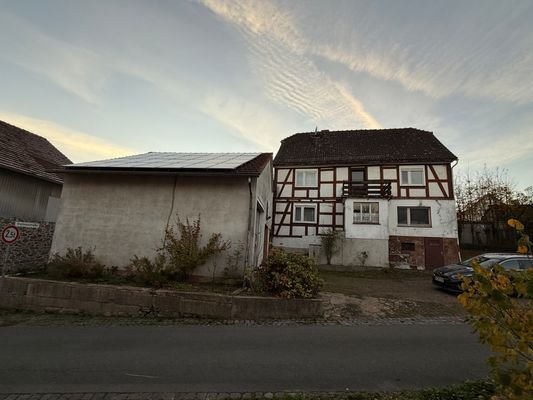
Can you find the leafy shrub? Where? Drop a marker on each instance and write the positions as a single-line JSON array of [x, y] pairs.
[[76, 264], [329, 241], [150, 273], [183, 251], [288, 275], [503, 319]]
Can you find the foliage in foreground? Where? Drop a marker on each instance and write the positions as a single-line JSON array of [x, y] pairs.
[[500, 310], [287, 275]]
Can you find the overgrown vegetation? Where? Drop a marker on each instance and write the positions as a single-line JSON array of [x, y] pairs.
[[501, 311], [183, 251], [330, 243], [287, 275], [76, 263]]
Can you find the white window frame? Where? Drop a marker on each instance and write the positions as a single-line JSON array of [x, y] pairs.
[[409, 217], [360, 205], [302, 206], [409, 169], [305, 172]]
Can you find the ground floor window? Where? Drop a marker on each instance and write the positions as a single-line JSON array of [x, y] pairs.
[[305, 213], [414, 216], [365, 213]]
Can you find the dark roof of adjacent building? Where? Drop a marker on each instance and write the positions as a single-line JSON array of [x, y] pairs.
[[24, 152], [373, 146], [243, 164]]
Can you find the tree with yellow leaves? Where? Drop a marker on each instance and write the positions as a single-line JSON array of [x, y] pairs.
[[500, 309]]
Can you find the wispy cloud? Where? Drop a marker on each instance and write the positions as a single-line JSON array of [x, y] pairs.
[[76, 70], [291, 79], [78, 146]]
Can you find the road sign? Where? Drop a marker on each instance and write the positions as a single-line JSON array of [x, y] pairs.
[[28, 225], [10, 234]]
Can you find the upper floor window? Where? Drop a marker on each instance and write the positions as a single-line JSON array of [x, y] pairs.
[[414, 216], [365, 213], [412, 176], [306, 178], [305, 213]]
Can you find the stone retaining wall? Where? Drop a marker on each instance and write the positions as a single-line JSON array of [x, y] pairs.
[[43, 295], [31, 250]]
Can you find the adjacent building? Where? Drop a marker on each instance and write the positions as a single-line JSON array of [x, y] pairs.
[[122, 207], [29, 192], [389, 193]]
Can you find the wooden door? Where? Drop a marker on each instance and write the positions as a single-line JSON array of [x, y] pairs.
[[434, 252]]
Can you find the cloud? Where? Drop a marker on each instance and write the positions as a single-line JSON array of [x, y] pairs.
[[501, 150], [290, 77], [78, 146], [76, 70]]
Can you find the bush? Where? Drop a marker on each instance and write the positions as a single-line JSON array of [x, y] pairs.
[[150, 273], [329, 241], [76, 264], [288, 275], [183, 250], [499, 307]]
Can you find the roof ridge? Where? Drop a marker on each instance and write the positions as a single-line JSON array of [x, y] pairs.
[[328, 131]]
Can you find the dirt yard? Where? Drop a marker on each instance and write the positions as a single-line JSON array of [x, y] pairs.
[[386, 293]]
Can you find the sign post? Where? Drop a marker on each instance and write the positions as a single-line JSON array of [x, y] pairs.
[[10, 234]]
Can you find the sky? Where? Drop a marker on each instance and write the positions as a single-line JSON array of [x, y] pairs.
[[103, 79]]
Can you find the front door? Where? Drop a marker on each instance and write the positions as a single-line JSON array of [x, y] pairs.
[[434, 252]]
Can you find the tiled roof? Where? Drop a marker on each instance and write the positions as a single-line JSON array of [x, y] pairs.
[[30, 154], [375, 146], [248, 164]]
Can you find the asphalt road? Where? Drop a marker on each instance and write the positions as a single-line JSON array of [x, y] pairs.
[[236, 358]]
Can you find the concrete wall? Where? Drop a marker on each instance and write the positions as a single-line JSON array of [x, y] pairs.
[[28, 198], [42, 295], [31, 250], [122, 215], [350, 253]]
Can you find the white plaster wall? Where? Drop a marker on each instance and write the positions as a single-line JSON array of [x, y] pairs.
[[121, 216], [366, 231], [351, 250], [443, 218], [296, 243], [373, 173]]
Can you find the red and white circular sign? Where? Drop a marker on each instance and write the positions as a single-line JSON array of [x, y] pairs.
[[10, 234]]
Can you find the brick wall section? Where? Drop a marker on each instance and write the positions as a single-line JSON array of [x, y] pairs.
[[43, 295], [417, 258], [31, 250], [398, 257], [451, 251]]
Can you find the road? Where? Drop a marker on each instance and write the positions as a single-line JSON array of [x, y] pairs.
[[236, 358]]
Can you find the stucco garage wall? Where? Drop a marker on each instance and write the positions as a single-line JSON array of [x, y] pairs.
[[123, 215]]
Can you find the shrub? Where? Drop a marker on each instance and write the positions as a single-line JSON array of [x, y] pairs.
[[183, 250], [150, 273], [288, 275], [504, 322], [329, 241], [76, 264]]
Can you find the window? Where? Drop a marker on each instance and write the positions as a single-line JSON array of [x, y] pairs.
[[412, 176], [305, 213], [365, 213], [306, 178], [510, 264], [406, 246], [414, 216]]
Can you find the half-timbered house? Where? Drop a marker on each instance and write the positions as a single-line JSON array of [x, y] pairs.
[[389, 193]]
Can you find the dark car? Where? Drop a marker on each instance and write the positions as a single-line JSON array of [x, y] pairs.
[[451, 277]]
